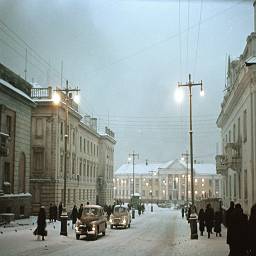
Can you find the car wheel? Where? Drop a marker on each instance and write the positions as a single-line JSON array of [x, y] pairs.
[[111, 226], [104, 232], [129, 225], [77, 236]]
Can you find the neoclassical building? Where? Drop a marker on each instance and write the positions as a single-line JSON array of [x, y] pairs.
[[237, 121], [16, 107], [168, 181], [90, 155]]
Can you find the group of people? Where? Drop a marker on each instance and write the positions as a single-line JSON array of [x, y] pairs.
[[210, 220], [241, 231]]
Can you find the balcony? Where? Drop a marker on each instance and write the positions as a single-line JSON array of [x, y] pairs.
[[221, 164], [233, 156]]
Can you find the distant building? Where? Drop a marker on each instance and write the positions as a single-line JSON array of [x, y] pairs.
[[168, 181], [90, 155], [237, 121], [15, 143]]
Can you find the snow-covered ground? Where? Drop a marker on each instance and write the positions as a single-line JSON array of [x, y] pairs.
[[162, 232]]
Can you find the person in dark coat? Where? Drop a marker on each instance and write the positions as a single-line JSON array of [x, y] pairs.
[[238, 239], [182, 212], [209, 217], [60, 209], [201, 220], [217, 222], [55, 212], [74, 215], [51, 213], [252, 231], [41, 223], [228, 220], [80, 211]]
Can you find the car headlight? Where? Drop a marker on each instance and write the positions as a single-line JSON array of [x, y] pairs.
[[93, 228]]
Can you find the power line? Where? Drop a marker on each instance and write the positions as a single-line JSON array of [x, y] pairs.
[[188, 36], [197, 44]]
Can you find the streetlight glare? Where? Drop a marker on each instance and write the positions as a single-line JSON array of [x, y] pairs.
[[56, 98], [179, 95], [77, 99], [202, 93]]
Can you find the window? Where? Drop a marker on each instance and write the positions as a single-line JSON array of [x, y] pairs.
[[245, 126], [80, 167], [234, 133], [61, 130], [245, 185], [61, 162], [234, 185], [68, 195], [9, 125], [229, 136], [79, 194], [74, 195], [84, 145], [80, 144], [39, 127], [83, 194], [74, 137], [7, 172], [238, 129], [38, 159]]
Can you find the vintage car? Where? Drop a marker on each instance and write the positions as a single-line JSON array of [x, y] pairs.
[[120, 217], [92, 222]]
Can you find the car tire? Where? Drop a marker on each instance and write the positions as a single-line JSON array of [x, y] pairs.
[[96, 234], [77, 236], [104, 232], [129, 225], [111, 226]]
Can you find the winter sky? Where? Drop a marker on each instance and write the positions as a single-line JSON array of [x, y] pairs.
[[127, 57]]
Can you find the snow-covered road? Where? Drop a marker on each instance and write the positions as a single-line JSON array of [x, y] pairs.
[[162, 232]]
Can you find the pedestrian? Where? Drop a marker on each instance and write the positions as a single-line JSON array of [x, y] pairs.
[[228, 221], [252, 231], [182, 212], [51, 214], [209, 217], [87, 203], [217, 222], [55, 212], [201, 220], [238, 239], [41, 224], [74, 215], [80, 211], [60, 209]]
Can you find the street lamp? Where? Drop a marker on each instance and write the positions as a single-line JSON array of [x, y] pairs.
[[193, 217], [133, 155], [68, 98]]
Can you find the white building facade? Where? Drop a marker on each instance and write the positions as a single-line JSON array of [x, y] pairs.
[[170, 181], [237, 121]]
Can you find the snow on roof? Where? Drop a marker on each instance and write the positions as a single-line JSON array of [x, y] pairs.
[[142, 168], [18, 91]]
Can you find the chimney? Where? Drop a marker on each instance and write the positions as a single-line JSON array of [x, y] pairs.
[[254, 5]]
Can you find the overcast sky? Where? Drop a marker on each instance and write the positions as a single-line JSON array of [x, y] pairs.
[[127, 57]]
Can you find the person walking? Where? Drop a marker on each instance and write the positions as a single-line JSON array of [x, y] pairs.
[[80, 211], [238, 239], [217, 222], [228, 221], [74, 215], [55, 212], [51, 213], [252, 231], [201, 220], [41, 224], [209, 217], [60, 209]]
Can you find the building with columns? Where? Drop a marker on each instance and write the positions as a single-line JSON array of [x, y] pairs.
[[16, 107], [90, 155], [170, 181], [237, 121]]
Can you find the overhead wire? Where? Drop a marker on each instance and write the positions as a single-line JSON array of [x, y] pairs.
[[188, 29]]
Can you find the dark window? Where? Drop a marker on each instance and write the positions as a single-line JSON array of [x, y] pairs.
[[8, 125]]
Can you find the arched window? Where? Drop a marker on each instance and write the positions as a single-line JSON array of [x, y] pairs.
[[22, 173]]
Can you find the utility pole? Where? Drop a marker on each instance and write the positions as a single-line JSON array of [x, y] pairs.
[[193, 216], [67, 91], [133, 155], [186, 155]]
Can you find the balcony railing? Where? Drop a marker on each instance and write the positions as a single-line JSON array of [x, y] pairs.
[[41, 93], [221, 164]]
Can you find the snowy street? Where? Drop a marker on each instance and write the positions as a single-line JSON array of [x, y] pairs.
[[162, 232]]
